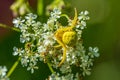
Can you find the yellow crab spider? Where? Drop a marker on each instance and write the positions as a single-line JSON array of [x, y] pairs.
[[66, 36]]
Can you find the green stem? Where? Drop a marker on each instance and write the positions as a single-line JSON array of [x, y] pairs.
[[28, 7], [40, 7], [13, 67], [51, 69], [8, 27], [64, 15]]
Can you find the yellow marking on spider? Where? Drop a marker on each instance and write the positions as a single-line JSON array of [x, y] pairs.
[[66, 36]]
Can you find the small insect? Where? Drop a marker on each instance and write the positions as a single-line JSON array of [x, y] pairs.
[[66, 36]]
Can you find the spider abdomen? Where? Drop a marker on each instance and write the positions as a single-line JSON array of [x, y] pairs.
[[69, 37]]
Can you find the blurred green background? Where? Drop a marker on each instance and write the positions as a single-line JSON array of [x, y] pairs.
[[102, 31]]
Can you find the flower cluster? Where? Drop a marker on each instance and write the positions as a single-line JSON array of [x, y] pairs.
[[37, 37], [56, 76], [3, 71], [82, 19], [40, 45]]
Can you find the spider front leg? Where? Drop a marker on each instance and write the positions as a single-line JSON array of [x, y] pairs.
[[64, 52], [57, 46], [59, 33]]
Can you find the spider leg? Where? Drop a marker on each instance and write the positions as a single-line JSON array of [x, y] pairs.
[[57, 46], [74, 21], [64, 52]]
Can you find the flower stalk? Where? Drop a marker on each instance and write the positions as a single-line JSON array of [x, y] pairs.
[[8, 27], [51, 69], [40, 7], [13, 67]]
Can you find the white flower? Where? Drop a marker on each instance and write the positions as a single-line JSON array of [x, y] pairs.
[[65, 68], [25, 37], [3, 71], [30, 19], [56, 76], [56, 13], [18, 22], [48, 38], [50, 24], [41, 49], [86, 72], [82, 24], [32, 67], [31, 16], [86, 13], [83, 16], [17, 51], [23, 28], [24, 61], [36, 26], [93, 52], [34, 59]]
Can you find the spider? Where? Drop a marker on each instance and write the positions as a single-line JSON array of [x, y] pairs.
[[66, 36]]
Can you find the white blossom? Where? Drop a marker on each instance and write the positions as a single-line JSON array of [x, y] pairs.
[[18, 22], [32, 67], [40, 45], [3, 71]]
